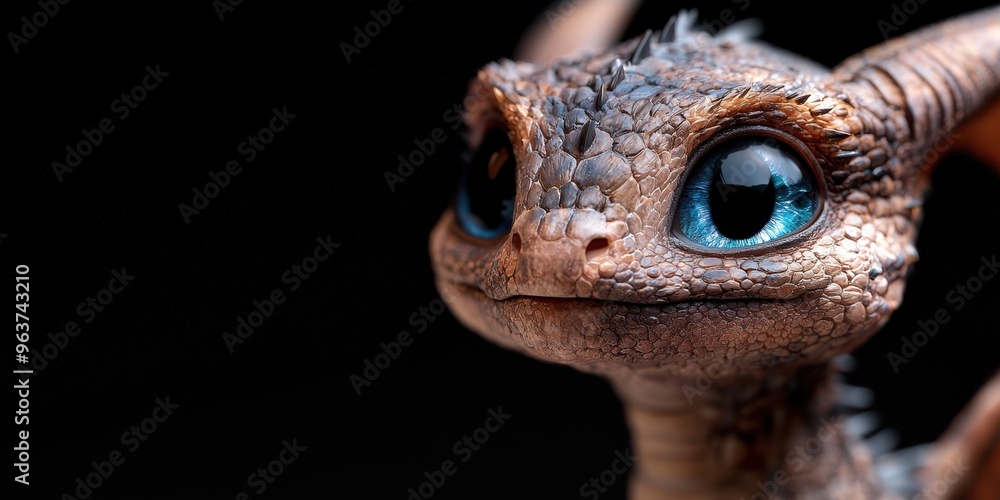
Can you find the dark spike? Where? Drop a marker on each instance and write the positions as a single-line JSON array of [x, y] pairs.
[[846, 154], [745, 91], [615, 65], [717, 101], [602, 97], [820, 111], [617, 74], [642, 49], [587, 135], [846, 98], [875, 271], [669, 32], [802, 98], [721, 94], [836, 134], [597, 84]]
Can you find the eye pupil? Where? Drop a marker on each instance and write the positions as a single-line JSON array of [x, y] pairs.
[[742, 200], [485, 201], [745, 191]]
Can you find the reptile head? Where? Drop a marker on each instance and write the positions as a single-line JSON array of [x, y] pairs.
[[683, 202]]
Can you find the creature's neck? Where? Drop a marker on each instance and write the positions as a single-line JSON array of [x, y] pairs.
[[774, 436]]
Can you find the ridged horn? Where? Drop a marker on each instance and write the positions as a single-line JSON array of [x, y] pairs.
[[940, 77]]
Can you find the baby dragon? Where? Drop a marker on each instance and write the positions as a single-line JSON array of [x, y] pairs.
[[682, 207]]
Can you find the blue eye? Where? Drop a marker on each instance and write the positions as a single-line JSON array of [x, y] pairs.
[[745, 192], [485, 201]]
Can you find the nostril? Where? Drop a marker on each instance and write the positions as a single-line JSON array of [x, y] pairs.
[[515, 245], [597, 248]]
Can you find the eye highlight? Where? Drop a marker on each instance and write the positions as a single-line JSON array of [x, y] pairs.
[[747, 191], [485, 201]]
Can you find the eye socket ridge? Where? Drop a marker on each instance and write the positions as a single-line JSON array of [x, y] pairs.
[[747, 189], [484, 202]]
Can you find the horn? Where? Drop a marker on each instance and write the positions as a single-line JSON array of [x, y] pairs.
[[570, 28], [943, 79]]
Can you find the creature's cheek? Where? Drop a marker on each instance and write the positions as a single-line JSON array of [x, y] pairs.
[[865, 252], [456, 256]]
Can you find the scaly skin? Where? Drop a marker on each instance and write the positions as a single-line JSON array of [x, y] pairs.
[[660, 316]]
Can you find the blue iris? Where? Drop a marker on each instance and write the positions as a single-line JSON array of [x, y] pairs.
[[745, 192]]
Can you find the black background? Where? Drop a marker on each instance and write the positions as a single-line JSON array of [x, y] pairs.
[[323, 175]]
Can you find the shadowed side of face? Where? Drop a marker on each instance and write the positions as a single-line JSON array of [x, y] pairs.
[[706, 205]]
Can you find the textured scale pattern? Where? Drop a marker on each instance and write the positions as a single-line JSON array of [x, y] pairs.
[[835, 285]]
